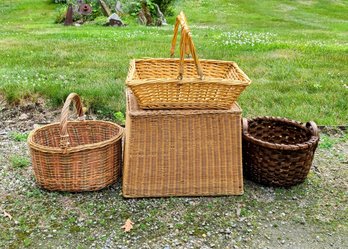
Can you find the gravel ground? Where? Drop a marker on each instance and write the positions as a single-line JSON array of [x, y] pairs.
[[310, 215]]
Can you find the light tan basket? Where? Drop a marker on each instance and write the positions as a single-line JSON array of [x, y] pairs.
[[76, 156], [173, 83], [182, 152]]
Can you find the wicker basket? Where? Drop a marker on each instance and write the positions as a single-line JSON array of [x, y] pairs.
[[277, 151], [76, 156], [182, 152], [174, 84]]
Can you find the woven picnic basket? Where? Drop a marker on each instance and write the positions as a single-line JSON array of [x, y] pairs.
[[82, 155], [277, 151], [185, 83]]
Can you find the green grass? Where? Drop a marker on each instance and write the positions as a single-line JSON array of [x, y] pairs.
[[19, 137], [327, 142], [295, 52], [18, 161]]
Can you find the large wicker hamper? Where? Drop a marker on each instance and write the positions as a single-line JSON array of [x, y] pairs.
[[182, 152]]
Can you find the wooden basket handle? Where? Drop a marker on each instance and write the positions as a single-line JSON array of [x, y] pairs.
[[180, 20], [64, 136], [312, 126], [186, 45]]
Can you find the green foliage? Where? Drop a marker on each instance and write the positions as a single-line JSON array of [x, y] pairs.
[[27, 242], [19, 137], [96, 11], [133, 7], [18, 161], [345, 137], [166, 6], [327, 142], [100, 20], [120, 118], [61, 13]]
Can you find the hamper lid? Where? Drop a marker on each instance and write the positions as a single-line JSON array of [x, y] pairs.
[[134, 110]]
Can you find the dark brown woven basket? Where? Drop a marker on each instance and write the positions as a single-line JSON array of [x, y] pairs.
[[277, 151]]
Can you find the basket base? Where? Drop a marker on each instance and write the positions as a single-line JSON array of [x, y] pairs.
[[75, 190]]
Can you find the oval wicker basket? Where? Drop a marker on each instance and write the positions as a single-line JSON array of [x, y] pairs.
[[277, 151], [168, 83], [75, 156]]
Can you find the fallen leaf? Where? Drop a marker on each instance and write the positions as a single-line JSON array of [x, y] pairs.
[[128, 225], [7, 215]]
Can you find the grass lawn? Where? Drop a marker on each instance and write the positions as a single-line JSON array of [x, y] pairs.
[[295, 52]]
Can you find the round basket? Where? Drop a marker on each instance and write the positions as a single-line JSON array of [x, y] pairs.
[[75, 156], [277, 151]]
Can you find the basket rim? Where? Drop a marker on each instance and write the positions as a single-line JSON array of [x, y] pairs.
[[131, 82], [134, 110], [279, 146], [58, 150]]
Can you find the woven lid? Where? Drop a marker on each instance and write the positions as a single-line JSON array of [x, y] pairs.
[[133, 109]]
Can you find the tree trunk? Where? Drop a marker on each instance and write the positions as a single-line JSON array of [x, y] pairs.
[[105, 8]]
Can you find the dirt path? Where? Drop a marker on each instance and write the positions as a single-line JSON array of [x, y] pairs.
[[311, 215]]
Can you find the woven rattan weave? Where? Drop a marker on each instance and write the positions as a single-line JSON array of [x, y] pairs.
[[182, 152], [185, 83], [76, 156], [278, 151]]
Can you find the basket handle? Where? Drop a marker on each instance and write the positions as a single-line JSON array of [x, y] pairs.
[[245, 125], [186, 45], [64, 136], [312, 126]]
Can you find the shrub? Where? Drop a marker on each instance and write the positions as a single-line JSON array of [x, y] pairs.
[[61, 13], [130, 7], [134, 7], [166, 6]]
